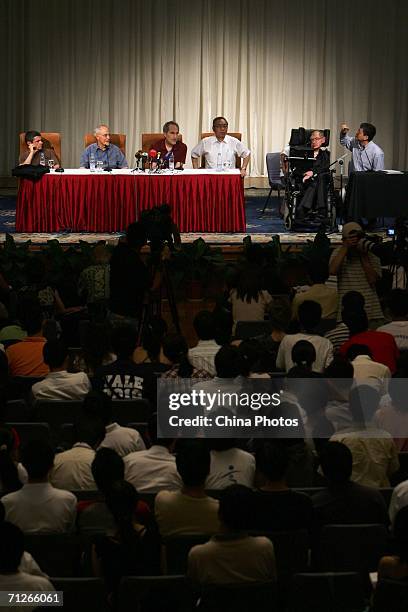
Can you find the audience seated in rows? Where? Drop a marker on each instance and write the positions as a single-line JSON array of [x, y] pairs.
[[38, 507], [351, 302], [398, 327], [319, 292], [72, 468], [309, 317], [229, 464], [343, 501], [93, 282], [382, 345], [188, 510], [202, 355], [123, 440], [175, 350], [249, 300], [366, 370], [25, 358], [130, 549], [59, 384], [375, 456], [232, 556], [393, 413], [274, 506], [15, 576], [12, 473], [154, 469]]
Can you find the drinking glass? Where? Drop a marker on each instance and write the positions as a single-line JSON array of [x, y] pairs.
[[51, 164]]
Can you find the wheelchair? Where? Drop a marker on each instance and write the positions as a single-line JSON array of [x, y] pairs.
[[299, 161]]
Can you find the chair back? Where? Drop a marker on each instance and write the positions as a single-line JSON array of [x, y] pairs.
[[32, 431], [131, 411], [17, 411], [250, 329], [347, 548], [391, 596], [51, 140], [117, 139], [291, 551], [83, 594], [177, 549], [273, 167], [155, 594], [56, 553], [236, 135], [149, 138], [259, 596], [321, 592]]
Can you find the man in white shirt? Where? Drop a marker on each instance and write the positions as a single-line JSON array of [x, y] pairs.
[[123, 440], [366, 370], [60, 384], [72, 468], [189, 510], [229, 465], [319, 292], [220, 150], [309, 313], [202, 355], [153, 470], [38, 507], [398, 307], [399, 499], [12, 576]]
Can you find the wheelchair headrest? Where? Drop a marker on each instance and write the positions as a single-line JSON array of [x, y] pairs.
[[301, 137]]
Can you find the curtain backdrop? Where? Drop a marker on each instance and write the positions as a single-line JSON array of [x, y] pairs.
[[266, 65]]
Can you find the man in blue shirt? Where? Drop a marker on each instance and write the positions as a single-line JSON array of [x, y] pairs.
[[367, 156], [104, 151]]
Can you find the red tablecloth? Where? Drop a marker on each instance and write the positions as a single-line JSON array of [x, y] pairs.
[[109, 202]]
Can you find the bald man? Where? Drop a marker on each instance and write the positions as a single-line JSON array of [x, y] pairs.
[[109, 154]]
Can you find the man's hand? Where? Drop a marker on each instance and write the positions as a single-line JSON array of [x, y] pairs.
[[307, 175], [243, 172], [351, 243], [32, 148], [344, 128]]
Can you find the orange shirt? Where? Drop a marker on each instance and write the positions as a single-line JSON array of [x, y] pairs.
[[25, 358]]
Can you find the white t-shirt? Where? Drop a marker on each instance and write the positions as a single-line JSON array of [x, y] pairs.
[[123, 440], [177, 514], [152, 470], [228, 467], [62, 386], [323, 346], [398, 329], [20, 581]]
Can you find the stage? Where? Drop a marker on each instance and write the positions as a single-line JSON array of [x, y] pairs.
[[259, 227]]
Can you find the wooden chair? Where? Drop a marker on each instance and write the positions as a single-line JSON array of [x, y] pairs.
[[148, 139], [237, 135], [117, 139], [51, 140]]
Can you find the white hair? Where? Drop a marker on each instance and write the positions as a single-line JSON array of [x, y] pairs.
[[98, 128]]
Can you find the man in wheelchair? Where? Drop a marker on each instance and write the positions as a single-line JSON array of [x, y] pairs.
[[308, 178]]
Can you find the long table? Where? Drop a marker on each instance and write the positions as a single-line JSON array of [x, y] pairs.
[[376, 194], [81, 201]]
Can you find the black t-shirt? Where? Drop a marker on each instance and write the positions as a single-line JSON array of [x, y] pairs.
[[124, 379], [129, 280], [281, 511]]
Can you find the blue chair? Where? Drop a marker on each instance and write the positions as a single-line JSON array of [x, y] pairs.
[[275, 180]]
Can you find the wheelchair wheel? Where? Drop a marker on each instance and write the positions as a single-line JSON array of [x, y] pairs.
[[288, 222]]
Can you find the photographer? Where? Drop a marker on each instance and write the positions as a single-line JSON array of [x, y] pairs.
[[357, 270]]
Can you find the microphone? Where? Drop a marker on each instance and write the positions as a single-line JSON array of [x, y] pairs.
[[152, 154]]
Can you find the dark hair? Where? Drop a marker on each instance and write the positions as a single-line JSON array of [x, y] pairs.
[[193, 463], [136, 235], [339, 368], [358, 349], [124, 341], [122, 499], [356, 321], [107, 468], [369, 130], [98, 404], [397, 391], [249, 285], [364, 401], [8, 470], [218, 119], [55, 353], [304, 354], [319, 271], [310, 314], [221, 444], [89, 429], [30, 135], [37, 456], [11, 549], [204, 325], [336, 461], [175, 348], [167, 125], [272, 460], [401, 534], [235, 507], [398, 302], [152, 336], [353, 300], [96, 344], [31, 315], [228, 362]]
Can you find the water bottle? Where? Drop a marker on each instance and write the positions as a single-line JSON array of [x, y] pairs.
[[42, 159], [219, 162], [171, 162], [92, 162]]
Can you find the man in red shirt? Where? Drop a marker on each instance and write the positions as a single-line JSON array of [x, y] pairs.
[[382, 345], [170, 144]]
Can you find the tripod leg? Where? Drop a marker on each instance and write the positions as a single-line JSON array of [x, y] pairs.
[[267, 200]]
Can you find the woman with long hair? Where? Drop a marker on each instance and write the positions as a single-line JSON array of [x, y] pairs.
[[249, 301]]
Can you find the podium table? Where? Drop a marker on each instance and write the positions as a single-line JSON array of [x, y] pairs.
[[376, 194]]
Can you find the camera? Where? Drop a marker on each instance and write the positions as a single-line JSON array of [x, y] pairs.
[[390, 231]]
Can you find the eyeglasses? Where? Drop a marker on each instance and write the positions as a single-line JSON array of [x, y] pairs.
[[317, 138], [221, 125]]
